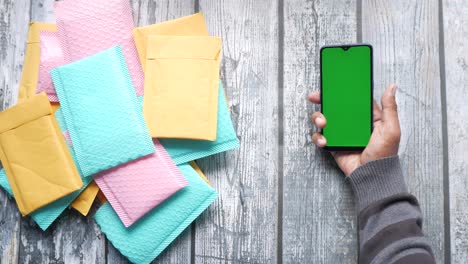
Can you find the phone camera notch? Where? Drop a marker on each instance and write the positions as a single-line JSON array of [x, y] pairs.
[[345, 48]]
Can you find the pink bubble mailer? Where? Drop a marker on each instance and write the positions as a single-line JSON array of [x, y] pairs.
[[87, 27], [134, 188]]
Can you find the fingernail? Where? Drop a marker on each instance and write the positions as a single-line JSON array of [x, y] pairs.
[[321, 141], [393, 90], [319, 120]]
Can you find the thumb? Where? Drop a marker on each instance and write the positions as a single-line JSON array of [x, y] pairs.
[[390, 113], [389, 106]]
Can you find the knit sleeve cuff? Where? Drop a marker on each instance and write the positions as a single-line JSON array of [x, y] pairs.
[[377, 180]]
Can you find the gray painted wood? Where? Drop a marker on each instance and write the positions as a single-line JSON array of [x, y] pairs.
[[405, 37], [9, 229], [319, 218], [14, 19], [71, 239], [14, 24], [241, 226], [42, 11], [456, 73], [146, 13]]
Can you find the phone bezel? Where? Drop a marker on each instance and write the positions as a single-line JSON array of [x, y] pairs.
[[347, 47]]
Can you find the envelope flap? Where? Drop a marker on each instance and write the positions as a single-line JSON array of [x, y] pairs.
[[193, 25], [24, 112], [183, 47]]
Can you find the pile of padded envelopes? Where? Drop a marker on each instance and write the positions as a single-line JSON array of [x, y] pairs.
[[119, 112]]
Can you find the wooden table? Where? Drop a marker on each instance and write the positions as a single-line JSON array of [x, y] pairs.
[[281, 199]]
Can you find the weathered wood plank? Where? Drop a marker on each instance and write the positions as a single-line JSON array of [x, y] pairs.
[[405, 36], [146, 13], [42, 11], [9, 229], [456, 73], [73, 238], [154, 11], [241, 226], [14, 24], [319, 218], [14, 19]]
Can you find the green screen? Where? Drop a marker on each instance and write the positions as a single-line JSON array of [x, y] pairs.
[[346, 95]]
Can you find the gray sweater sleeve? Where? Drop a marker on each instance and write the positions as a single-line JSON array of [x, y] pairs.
[[389, 218]]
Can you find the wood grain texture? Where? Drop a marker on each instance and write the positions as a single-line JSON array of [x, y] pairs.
[[405, 37], [9, 229], [42, 11], [14, 24], [146, 13], [14, 20], [71, 239], [456, 73], [319, 218], [241, 226]]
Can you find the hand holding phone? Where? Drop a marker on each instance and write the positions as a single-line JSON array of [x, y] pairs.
[[383, 142]]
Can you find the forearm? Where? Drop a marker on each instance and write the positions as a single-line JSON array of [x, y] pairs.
[[389, 218]]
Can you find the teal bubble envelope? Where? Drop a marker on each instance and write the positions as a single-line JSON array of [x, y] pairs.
[[148, 237], [185, 150], [46, 215], [101, 112]]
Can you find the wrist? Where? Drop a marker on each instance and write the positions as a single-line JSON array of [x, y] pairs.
[[377, 180]]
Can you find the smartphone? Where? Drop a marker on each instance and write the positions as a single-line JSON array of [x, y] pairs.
[[346, 92]]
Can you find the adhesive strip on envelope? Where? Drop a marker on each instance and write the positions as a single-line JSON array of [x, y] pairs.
[[193, 25]]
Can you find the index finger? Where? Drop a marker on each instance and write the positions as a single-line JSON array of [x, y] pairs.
[[314, 97]]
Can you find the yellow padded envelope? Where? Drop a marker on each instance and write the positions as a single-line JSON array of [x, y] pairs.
[[37, 162], [193, 25], [85, 200], [30, 74], [181, 86]]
